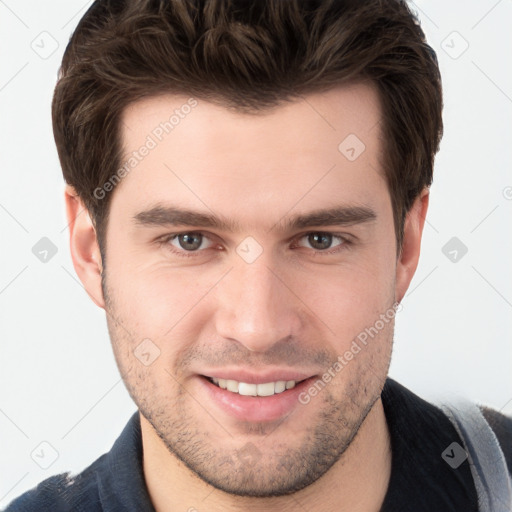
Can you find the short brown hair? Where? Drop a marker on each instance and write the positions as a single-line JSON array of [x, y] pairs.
[[249, 56]]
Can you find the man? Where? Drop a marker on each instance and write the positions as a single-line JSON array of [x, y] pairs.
[[247, 189]]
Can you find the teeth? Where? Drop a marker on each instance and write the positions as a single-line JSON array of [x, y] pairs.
[[280, 386], [232, 385], [245, 389], [266, 389]]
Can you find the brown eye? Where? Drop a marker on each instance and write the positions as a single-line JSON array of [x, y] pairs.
[[189, 242], [322, 241]]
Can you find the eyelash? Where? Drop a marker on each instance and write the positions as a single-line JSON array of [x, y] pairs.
[[346, 243]]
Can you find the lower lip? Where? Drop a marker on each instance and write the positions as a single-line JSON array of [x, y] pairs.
[[255, 408]]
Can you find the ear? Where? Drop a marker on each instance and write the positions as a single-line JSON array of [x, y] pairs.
[[85, 251], [411, 245]]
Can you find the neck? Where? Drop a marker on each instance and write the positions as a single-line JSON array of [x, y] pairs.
[[357, 482]]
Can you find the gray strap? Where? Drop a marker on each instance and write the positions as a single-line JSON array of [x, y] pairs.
[[488, 466]]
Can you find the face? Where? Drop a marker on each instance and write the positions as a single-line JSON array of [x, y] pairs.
[[253, 249]]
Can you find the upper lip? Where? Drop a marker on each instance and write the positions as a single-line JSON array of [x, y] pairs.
[[258, 377]]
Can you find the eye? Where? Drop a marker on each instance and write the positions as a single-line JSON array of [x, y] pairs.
[[189, 242], [320, 241]]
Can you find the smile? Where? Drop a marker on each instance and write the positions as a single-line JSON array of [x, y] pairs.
[[246, 389]]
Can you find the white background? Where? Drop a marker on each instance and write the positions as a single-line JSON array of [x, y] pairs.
[[58, 380]]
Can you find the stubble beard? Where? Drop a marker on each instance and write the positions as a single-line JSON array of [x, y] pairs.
[[261, 464]]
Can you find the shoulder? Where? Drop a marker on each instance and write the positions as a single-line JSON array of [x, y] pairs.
[[63, 492], [114, 481], [501, 425]]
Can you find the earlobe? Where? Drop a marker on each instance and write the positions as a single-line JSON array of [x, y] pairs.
[[84, 247], [411, 246]]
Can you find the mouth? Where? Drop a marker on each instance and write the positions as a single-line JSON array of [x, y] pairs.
[[251, 389], [250, 396]]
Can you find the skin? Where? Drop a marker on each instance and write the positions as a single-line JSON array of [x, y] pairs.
[[292, 307]]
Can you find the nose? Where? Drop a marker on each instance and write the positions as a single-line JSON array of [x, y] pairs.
[[257, 305]]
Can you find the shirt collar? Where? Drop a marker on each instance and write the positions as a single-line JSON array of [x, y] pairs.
[[121, 483]]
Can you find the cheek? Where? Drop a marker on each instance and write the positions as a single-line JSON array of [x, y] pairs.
[[156, 301], [348, 298]]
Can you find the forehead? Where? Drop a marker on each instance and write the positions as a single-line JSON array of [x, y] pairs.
[[323, 148], [331, 115]]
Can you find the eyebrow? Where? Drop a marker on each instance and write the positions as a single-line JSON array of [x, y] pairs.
[[160, 215]]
